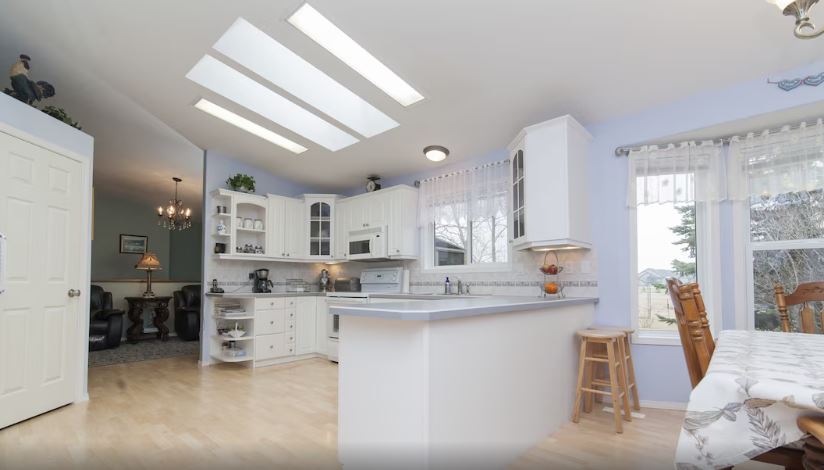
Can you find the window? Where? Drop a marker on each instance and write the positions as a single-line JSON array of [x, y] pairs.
[[673, 200], [779, 218], [666, 248], [464, 218], [461, 238]]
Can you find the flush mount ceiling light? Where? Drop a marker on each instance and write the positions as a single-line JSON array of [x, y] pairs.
[[800, 9], [330, 37], [436, 153], [248, 126], [228, 82], [260, 53]]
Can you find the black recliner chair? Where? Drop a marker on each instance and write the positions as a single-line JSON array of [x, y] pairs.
[[105, 322], [187, 312]]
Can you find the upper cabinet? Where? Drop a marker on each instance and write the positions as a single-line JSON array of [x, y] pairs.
[[320, 216], [550, 186], [249, 225], [395, 209]]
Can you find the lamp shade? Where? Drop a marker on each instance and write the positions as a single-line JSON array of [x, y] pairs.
[[149, 262]]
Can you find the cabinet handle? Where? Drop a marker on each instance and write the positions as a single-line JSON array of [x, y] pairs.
[[272, 322], [271, 347], [283, 254]]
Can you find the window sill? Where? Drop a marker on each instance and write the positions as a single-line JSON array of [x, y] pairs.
[[472, 268], [656, 338]]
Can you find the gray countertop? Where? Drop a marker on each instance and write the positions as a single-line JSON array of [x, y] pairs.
[[442, 309], [254, 295]]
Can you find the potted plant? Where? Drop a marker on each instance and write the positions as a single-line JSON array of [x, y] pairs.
[[241, 182]]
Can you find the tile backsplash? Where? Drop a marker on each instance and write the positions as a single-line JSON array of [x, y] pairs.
[[523, 279]]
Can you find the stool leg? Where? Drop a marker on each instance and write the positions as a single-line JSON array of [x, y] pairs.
[[576, 414], [589, 373], [613, 381], [622, 379], [631, 375]]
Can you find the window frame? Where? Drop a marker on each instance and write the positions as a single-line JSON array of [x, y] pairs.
[[707, 235], [428, 251]]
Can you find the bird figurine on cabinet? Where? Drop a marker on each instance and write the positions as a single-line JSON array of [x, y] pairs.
[[22, 87]]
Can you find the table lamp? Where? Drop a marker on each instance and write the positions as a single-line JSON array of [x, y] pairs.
[[148, 263]]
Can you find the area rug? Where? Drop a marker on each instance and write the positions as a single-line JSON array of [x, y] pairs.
[[143, 351]]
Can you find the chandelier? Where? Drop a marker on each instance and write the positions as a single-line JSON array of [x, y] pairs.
[[174, 216], [800, 9]]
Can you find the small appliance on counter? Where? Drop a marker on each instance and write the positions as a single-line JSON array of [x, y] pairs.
[[215, 289], [262, 284], [356, 291]]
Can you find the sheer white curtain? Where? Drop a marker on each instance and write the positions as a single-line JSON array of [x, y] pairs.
[[687, 172], [773, 163], [473, 193]]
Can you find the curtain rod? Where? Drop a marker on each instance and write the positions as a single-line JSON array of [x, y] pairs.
[[624, 151], [417, 183]]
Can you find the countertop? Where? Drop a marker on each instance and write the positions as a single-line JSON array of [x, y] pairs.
[[446, 308], [372, 295]]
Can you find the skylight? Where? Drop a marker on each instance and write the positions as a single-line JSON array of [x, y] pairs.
[[257, 51], [248, 126], [228, 82], [330, 37]]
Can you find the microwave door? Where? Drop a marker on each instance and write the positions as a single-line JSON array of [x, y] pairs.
[[359, 247]]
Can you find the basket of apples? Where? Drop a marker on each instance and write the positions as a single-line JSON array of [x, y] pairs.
[[550, 270]]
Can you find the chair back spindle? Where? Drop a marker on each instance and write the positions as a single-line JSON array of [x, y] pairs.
[[693, 327], [804, 294]]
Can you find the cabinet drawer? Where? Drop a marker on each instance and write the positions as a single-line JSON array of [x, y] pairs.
[[269, 321], [270, 303], [270, 346], [289, 302]]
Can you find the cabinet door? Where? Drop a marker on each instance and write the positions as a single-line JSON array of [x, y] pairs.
[[274, 229], [518, 228], [320, 216], [341, 224], [402, 217], [376, 212], [321, 320], [356, 218], [305, 326], [294, 229], [269, 322]]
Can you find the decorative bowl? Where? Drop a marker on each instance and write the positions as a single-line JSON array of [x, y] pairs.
[[235, 333]]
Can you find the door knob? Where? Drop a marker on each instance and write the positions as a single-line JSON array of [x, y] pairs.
[[74, 293]]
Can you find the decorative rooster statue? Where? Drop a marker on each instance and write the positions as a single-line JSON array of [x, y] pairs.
[[22, 87]]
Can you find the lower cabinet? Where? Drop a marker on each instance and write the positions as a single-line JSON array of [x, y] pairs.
[[289, 327], [321, 322]]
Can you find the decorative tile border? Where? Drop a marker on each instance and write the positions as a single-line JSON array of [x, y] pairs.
[[506, 283]]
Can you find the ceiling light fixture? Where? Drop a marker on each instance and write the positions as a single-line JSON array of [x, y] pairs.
[[174, 216], [330, 37], [248, 126], [800, 9], [228, 82], [436, 153], [260, 53]]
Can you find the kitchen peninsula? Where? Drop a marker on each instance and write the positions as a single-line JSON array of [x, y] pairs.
[[463, 383]]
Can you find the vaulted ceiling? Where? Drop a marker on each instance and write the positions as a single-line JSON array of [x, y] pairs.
[[485, 68]]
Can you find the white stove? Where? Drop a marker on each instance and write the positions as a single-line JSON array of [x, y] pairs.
[[376, 280]]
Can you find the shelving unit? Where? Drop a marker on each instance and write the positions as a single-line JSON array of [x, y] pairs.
[[244, 321]]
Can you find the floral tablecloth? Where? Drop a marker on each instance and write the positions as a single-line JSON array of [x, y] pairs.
[[757, 385]]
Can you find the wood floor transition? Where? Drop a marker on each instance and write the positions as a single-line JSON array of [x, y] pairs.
[[170, 413]]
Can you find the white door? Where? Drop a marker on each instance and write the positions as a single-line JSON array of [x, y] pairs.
[[294, 226], [276, 220], [40, 215]]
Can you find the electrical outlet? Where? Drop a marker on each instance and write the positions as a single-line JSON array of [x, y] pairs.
[[251, 276]]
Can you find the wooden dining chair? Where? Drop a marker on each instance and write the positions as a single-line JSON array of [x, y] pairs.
[[699, 345], [803, 295]]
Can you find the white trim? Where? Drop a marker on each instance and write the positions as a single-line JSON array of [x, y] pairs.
[[656, 337], [663, 405], [807, 244]]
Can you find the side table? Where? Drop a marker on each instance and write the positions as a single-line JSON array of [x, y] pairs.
[[136, 306]]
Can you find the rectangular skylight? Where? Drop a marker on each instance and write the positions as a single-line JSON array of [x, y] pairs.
[[260, 53], [331, 38], [228, 82], [248, 126]]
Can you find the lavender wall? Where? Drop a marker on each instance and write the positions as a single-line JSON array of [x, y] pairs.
[[661, 371]]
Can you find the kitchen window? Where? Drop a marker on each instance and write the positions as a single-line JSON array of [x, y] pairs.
[[464, 219], [673, 200]]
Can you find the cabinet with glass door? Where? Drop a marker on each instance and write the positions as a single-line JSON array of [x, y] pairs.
[[320, 223]]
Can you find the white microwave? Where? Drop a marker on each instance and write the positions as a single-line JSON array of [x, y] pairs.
[[368, 244]]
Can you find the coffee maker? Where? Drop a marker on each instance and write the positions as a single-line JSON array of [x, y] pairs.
[[261, 284]]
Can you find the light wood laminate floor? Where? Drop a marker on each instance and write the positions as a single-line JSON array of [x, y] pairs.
[[170, 413]]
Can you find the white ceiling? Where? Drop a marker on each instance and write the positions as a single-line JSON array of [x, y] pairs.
[[487, 68]]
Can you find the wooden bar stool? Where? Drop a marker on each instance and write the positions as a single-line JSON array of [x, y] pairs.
[[625, 351], [616, 382]]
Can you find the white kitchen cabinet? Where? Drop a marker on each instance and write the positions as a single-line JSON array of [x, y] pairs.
[[294, 239], [248, 224], [401, 205], [320, 216], [275, 231], [321, 321], [305, 326], [550, 186], [341, 224]]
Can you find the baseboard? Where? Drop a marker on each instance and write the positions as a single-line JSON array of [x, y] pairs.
[[664, 405]]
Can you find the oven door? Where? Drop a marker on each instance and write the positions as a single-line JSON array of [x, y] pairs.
[[333, 327]]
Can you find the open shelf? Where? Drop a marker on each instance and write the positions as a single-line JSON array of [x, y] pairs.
[[252, 230], [222, 214], [227, 338], [223, 358], [221, 235], [229, 318]]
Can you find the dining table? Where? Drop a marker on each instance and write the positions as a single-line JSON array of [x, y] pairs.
[[757, 385]]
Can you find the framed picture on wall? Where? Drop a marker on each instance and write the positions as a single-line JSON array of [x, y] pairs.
[[133, 244]]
